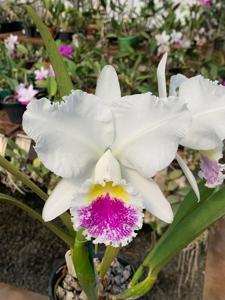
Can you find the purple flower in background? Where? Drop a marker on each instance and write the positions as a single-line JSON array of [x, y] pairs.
[[41, 74], [66, 50], [25, 95], [10, 44], [206, 3], [51, 72]]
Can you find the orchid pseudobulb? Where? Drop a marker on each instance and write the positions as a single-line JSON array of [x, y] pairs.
[[107, 148]]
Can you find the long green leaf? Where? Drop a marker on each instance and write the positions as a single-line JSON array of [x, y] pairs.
[[186, 230], [84, 267], [62, 77], [57, 231], [5, 164]]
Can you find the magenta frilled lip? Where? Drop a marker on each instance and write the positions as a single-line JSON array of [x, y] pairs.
[[109, 220], [66, 50], [211, 171]]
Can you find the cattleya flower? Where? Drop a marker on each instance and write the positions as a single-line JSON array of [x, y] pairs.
[[66, 50], [25, 94], [206, 102], [107, 148], [10, 44], [41, 74]]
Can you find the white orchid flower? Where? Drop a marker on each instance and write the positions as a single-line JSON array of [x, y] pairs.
[[106, 148], [161, 76], [206, 102]]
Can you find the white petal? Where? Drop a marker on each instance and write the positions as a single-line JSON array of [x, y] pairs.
[[71, 135], [153, 198], [206, 101], [161, 76], [190, 177], [60, 199], [148, 132], [175, 82], [107, 169], [108, 87]]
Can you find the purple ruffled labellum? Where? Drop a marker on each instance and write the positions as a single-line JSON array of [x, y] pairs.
[[211, 171], [109, 219], [66, 50]]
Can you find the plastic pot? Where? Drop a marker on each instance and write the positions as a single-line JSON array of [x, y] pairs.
[[31, 31], [60, 271], [15, 111], [127, 42], [11, 26], [219, 44], [3, 95], [64, 35]]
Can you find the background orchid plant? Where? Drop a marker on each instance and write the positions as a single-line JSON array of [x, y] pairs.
[[107, 149]]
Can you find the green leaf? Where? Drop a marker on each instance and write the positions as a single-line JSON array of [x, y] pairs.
[[51, 86], [57, 231], [62, 77], [83, 263], [186, 229]]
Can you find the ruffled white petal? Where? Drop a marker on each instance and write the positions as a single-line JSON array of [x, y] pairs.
[[148, 131], [60, 199], [206, 101], [190, 177], [153, 199], [108, 87], [72, 135]]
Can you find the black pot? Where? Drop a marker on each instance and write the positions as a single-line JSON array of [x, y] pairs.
[[3, 95], [15, 111], [60, 271], [64, 36], [31, 31], [219, 44], [11, 26]]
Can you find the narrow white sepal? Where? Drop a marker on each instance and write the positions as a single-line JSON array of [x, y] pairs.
[[108, 87], [190, 177], [60, 199], [161, 76]]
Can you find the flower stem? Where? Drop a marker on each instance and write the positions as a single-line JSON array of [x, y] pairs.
[[139, 289], [110, 254], [84, 267]]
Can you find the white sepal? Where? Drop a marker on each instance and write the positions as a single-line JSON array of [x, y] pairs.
[[188, 174], [161, 76], [108, 87], [60, 199]]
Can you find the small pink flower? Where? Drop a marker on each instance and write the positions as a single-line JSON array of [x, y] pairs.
[[10, 43], [25, 95], [41, 74], [66, 50], [51, 71], [13, 54], [206, 3]]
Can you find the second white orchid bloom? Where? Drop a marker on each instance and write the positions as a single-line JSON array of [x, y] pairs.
[[206, 102], [107, 148]]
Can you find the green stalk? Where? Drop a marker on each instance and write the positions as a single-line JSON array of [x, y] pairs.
[[138, 290], [83, 263], [5, 164], [179, 236], [110, 254], [62, 77], [57, 231]]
